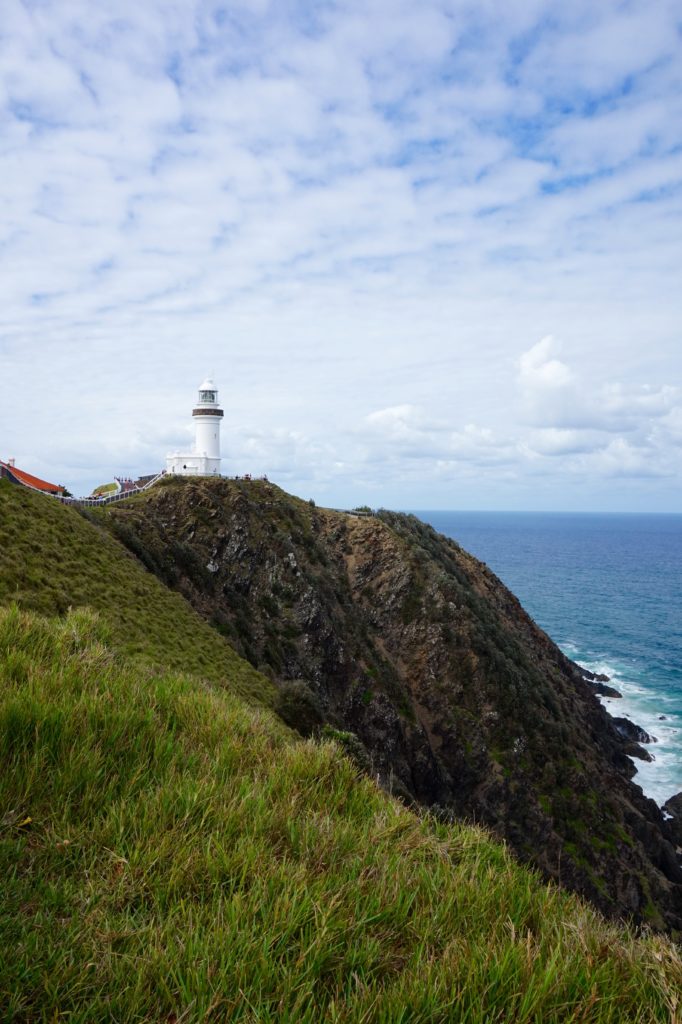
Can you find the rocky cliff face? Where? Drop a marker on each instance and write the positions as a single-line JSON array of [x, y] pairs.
[[378, 627]]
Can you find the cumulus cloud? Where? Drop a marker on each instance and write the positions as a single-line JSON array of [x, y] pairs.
[[605, 429], [406, 432], [621, 458], [541, 370], [559, 442]]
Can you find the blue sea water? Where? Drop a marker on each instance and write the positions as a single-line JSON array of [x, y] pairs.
[[608, 590]]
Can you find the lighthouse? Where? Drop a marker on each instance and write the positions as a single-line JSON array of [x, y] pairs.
[[204, 459]]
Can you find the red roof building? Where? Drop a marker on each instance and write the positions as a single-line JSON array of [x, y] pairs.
[[19, 476]]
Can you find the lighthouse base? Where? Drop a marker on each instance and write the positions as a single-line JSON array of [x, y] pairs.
[[192, 465]]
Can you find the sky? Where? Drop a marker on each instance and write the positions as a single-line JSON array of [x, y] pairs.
[[430, 252]]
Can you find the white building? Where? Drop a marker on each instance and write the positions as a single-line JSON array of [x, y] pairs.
[[204, 459]]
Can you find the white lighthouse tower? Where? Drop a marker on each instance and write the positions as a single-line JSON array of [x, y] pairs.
[[204, 459]]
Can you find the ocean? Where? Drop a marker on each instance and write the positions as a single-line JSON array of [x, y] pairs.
[[608, 590]]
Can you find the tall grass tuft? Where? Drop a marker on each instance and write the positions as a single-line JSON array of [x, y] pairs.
[[168, 853]]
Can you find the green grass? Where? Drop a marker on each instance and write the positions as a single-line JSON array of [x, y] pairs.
[[52, 558], [169, 853], [104, 489]]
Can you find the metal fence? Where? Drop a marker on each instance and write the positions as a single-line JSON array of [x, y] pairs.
[[108, 499]]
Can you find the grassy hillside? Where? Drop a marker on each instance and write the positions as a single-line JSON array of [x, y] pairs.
[[168, 853], [51, 558]]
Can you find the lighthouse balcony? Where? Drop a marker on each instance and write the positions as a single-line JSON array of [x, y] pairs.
[[207, 411]]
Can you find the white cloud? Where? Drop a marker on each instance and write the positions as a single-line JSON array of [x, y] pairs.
[[539, 367], [581, 424], [559, 442], [620, 458], [617, 399]]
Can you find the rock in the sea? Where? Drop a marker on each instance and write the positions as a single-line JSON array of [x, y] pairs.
[[605, 691], [594, 677], [673, 807], [598, 682], [632, 732], [634, 750]]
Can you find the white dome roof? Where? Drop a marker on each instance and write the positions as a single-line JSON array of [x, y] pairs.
[[208, 385]]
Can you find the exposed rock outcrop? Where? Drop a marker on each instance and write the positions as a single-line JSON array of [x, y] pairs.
[[599, 683], [632, 732], [673, 807], [382, 628], [606, 691]]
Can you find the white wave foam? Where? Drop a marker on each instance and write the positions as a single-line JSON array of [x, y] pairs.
[[661, 778]]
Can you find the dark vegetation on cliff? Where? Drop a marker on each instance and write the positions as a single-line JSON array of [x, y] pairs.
[[426, 667], [170, 850]]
